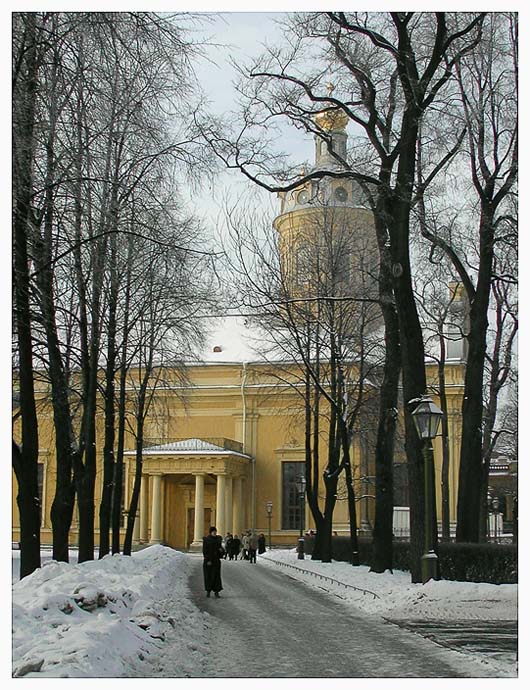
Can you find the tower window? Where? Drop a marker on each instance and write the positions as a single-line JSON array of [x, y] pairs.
[[303, 197], [341, 194]]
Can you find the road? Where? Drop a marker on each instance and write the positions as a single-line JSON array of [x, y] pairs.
[[266, 624]]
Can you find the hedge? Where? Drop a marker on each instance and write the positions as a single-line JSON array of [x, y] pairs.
[[484, 562]]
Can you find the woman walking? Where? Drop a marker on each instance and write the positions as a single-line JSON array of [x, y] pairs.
[[212, 552]]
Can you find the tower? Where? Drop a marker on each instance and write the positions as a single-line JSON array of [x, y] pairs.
[[457, 325], [326, 230]]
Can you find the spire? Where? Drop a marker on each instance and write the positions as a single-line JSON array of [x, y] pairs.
[[331, 119]]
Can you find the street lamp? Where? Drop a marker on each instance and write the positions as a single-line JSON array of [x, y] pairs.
[[495, 506], [301, 496], [426, 419], [489, 511], [269, 517]]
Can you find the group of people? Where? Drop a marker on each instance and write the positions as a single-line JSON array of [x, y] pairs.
[[214, 549], [244, 548]]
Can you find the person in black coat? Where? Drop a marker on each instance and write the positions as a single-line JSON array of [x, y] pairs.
[[212, 551], [261, 543], [236, 547]]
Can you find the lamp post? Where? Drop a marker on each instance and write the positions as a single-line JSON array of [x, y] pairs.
[[426, 419], [269, 518], [489, 511], [495, 506], [301, 495]]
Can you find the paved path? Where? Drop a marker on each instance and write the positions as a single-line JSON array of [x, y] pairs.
[[489, 639], [266, 624]]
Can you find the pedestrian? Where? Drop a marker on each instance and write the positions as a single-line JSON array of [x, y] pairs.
[[236, 547], [212, 551], [245, 544], [261, 543], [252, 547], [228, 544]]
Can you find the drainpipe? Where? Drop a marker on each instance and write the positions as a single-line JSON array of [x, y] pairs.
[[252, 459]]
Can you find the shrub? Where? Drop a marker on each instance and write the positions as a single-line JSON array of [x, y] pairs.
[[493, 563]]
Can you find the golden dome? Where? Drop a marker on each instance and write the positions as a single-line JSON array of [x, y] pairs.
[[332, 120]]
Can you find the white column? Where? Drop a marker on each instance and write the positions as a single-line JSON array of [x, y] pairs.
[[238, 506], [136, 529], [144, 515], [229, 505], [198, 525], [155, 510], [220, 502], [244, 504]]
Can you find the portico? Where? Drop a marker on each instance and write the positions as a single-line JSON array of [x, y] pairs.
[[187, 483]]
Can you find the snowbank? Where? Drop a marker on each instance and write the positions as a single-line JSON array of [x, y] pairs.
[[394, 596], [122, 616], [103, 618]]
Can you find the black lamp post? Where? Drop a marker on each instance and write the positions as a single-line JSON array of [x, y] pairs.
[[269, 518], [495, 506], [301, 495], [427, 418]]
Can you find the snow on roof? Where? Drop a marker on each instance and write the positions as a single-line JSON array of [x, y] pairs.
[[185, 444], [193, 445], [231, 339]]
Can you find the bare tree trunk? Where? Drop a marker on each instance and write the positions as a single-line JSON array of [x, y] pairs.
[[382, 545], [471, 477], [116, 502], [110, 409], [25, 455], [352, 508], [141, 411], [410, 332]]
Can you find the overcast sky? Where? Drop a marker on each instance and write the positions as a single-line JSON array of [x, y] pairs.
[[238, 36]]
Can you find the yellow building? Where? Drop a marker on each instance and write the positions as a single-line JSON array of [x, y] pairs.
[[231, 439]]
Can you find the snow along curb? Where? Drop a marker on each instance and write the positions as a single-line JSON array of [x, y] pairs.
[[320, 577]]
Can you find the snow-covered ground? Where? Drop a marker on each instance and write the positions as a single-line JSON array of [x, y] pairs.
[[113, 617], [105, 618], [394, 596]]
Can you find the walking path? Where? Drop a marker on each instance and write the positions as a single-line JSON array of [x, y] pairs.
[[266, 624]]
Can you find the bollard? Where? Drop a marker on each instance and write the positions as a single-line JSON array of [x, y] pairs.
[[301, 549]]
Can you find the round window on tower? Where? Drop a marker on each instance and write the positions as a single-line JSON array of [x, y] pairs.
[[303, 197], [341, 194]]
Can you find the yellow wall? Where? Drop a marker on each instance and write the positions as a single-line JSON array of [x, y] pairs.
[[274, 430]]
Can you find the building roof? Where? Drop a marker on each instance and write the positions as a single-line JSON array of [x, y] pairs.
[[193, 446]]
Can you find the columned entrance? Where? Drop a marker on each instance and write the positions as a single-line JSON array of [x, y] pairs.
[[187, 486]]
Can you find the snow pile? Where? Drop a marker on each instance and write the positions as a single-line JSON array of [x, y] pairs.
[[106, 618], [394, 596], [134, 616]]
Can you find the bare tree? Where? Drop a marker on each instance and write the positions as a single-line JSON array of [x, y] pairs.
[[487, 80], [314, 293], [27, 55], [103, 99], [391, 69]]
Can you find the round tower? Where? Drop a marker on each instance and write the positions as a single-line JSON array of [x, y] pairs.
[[326, 225]]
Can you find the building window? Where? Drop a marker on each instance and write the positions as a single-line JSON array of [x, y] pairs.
[[343, 267], [123, 489], [291, 513], [40, 481], [401, 484], [302, 265]]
